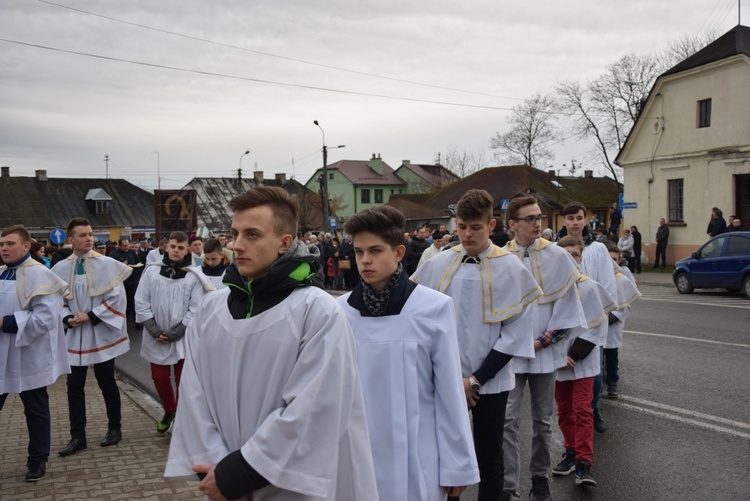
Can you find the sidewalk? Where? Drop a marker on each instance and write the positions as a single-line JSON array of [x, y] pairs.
[[132, 469], [652, 278]]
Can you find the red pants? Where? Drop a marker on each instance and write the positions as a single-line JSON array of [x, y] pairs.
[[163, 384], [575, 417]]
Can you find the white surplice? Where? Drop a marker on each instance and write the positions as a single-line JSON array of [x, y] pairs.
[[35, 355], [169, 302], [98, 290], [597, 304], [416, 407], [283, 388], [597, 265], [495, 305], [627, 294], [559, 308]]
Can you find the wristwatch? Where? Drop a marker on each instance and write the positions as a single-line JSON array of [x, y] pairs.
[[474, 384]]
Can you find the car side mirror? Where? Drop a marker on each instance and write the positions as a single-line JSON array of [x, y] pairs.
[[695, 255]]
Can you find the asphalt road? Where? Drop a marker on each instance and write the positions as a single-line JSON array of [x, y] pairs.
[[681, 428]]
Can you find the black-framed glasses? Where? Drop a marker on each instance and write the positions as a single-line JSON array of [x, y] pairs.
[[532, 219]]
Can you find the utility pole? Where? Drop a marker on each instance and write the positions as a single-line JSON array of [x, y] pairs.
[[106, 164]]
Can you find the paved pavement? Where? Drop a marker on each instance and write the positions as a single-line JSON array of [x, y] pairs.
[[129, 470]]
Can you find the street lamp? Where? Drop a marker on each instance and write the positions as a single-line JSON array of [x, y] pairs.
[[324, 195], [239, 171], [158, 175]]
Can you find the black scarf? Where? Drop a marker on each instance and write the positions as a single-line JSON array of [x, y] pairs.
[[173, 270], [389, 301]]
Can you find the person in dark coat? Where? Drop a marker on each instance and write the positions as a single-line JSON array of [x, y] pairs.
[[636, 248], [717, 225], [416, 247], [129, 257]]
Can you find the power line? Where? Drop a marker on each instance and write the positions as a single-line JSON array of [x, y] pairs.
[[709, 16], [248, 79], [287, 58]]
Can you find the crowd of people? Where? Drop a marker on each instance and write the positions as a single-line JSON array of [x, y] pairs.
[[272, 386]]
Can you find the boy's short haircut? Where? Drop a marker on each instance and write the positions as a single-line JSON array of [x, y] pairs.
[[571, 241], [77, 221], [212, 245], [574, 208], [611, 246], [20, 230], [516, 204], [180, 236], [475, 204], [285, 207], [384, 221]]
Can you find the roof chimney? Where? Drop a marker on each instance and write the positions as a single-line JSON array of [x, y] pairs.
[[6, 172], [406, 162], [281, 177], [552, 171], [258, 176], [376, 164], [41, 175], [589, 174]]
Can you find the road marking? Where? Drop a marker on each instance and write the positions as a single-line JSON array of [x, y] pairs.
[[683, 338], [700, 415], [688, 301], [702, 299], [681, 419]]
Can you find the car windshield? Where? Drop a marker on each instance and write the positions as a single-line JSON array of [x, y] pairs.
[[713, 248]]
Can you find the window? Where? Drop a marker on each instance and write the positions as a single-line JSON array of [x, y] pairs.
[[675, 200], [738, 246], [330, 175], [365, 196], [102, 207], [713, 248], [378, 196], [704, 113]]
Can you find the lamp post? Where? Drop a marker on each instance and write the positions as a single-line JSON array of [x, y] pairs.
[[239, 171], [158, 174], [324, 195], [106, 166]]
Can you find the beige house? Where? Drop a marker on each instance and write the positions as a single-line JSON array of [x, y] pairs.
[[689, 150]]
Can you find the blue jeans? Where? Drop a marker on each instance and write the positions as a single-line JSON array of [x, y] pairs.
[[611, 366], [36, 409]]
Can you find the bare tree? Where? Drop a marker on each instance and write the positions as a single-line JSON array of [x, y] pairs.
[[463, 162], [605, 110], [531, 131]]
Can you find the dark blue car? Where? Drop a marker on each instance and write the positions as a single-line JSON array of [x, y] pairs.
[[722, 262]]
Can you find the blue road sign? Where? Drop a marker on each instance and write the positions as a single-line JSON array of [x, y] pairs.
[[57, 236], [332, 222], [504, 204], [630, 205]]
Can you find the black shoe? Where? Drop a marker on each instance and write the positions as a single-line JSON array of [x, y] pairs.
[[583, 474], [599, 421], [111, 438], [540, 489], [75, 445], [567, 465], [36, 472], [612, 392]]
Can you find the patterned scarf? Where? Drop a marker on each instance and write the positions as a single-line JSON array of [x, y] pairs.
[[377, 302]]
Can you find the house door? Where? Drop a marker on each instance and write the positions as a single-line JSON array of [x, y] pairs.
[[742, 198]]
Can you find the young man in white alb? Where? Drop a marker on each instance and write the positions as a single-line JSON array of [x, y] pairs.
[[558, 311], [495, 297], [410, 369], [93, 312], [271, 406], [168, 296]]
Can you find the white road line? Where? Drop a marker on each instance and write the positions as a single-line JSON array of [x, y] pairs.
[[687, 301], [679, 410], [681, 419], [696, 340]]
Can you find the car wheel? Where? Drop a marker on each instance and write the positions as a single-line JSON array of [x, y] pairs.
[[746, 286], [683, 283]]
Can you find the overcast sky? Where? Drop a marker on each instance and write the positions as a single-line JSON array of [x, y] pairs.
[[247, 76]]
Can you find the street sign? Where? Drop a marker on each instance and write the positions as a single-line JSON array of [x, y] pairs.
[[57, 236], [630, 205], [332, 222], [504, 204]]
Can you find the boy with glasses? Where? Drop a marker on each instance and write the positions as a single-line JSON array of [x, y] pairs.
[[558, 311]]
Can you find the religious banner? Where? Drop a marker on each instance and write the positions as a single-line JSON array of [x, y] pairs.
[[175, 210]]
